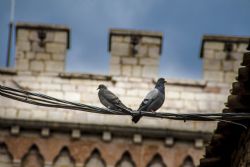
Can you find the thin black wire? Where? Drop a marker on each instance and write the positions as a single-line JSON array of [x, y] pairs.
[[48, 101]]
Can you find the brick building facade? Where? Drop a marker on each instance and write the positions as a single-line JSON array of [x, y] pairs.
[[40, 136]]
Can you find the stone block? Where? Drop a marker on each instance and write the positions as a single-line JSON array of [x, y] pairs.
[[68, 87], [23, 46], [175, 104], [30, 55], [230, 77], [106, 136], [115, 69], [187, 95], [56, 116], [15, 130], [20, 55], [22, 65], [56, 94], [237, 65], [237, 55], [154, 51], [24, 114], [76, 134], [136, 71], [43, 56], [129, 60], [37, 66], [214, 76], [127, 39], [208, 54], [142, 51], [220, 55], [54, 66], [137, 138], [242, 47], [227, 65], [60, 57], [126, 70], [10, 113], [211, 64], [169, 141], [56, 47], [150, 71], [115, 60], [39, 115], [203, 106], [117, 39], [151, 40], [60, 37], [214, 45], [190, 105], [49, 86], [50, 35], [22, 35], [120, 49], [72, 96], [149, 61], [45, 132], [199, 143], [36, 47], [172, 95]]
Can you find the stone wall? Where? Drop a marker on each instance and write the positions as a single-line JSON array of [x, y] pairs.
[[41, 49], [134, 53], [222, 56], [134, 64]]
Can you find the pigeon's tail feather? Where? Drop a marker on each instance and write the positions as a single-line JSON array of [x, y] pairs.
[[136, 118]]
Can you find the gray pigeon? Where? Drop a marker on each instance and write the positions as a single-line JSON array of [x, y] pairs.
[[153, 100], [110, 100]]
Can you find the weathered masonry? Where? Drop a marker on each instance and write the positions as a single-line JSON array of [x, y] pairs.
[[40, 136]]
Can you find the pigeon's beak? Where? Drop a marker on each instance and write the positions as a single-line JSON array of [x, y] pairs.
[[97, 88], [165, 82]]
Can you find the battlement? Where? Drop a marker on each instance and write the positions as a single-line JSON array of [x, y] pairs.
[[41, 48], [222, 56], [134, 53]]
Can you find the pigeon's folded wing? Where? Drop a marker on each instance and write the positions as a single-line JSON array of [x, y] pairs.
[[150, 97]]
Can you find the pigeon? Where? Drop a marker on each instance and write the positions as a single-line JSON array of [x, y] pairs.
[[110, 100], [153, 100]]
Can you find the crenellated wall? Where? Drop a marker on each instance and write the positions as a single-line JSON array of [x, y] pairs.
[[54, 136], [222, 56]]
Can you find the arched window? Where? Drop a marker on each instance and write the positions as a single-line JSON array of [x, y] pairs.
[[156, 162], [5, 157], [125, 161], [63, 159], [33, 158], [188, 162], [95, 160]]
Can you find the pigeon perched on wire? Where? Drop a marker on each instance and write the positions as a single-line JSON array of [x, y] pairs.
[[153, 100], [110, 100]]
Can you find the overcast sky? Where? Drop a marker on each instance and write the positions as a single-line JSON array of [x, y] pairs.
[[183, 23]]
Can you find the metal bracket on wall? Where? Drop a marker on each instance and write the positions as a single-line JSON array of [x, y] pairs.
[[42, 36], [135, 39]]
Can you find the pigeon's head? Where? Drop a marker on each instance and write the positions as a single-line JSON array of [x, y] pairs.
[[101, 86], [160, 84], [161, 81]]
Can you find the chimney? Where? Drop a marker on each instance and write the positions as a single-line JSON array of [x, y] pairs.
[[41, 49], [222, 56], [134, 53]]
